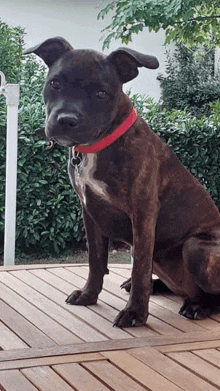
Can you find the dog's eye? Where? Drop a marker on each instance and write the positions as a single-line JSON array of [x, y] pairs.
[[101, 95], [55, 84]]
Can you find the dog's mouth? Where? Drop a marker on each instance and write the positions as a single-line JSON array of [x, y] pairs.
[[64, 141]]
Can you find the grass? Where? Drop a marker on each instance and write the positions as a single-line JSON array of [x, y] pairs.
[[79, 255]]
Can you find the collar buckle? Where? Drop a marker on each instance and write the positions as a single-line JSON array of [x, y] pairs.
[[76, 157]]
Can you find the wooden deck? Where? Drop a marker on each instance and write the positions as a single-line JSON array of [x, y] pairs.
[[50, 346]]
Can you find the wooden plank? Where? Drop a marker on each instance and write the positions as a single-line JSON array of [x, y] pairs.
[[54, 265], [169, 302], [97, 323], [52, 309], [165, 302], [48, 361], [79, 377], [125, 272], [210, 355], [15, 381], [112, 376], [183, 347], [171, 370], [36, 266], [78, 282], [177, 299], [211, 323], [45, 379], [198, 366], [9, 340], [52, 329], [175, 320], [24, 329], [89, 347], [105, 310], [161, 327], [118, 265], [96, 315], [174, 307], [154, 325], [111, 302], [216, 317], [140, 372], [112, 283]]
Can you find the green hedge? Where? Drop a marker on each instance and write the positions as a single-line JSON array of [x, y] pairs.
[[11, 48], [48, 211]]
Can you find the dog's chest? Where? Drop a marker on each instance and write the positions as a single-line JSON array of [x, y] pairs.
[[84, 177]]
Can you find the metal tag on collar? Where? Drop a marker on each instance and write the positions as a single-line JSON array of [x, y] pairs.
[[76, 157]]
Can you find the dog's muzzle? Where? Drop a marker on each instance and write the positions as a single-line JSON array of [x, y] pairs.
[[67, 121], [61, 128]]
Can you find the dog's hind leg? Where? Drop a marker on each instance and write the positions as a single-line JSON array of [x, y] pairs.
[[158, 286], [201, 256], [98, 258]]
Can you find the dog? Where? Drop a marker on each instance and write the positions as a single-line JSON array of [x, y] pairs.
[[130, 184]]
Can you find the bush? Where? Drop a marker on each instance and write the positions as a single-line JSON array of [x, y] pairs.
[[48, 210], [190, 82], [195, 141], [11, 48]]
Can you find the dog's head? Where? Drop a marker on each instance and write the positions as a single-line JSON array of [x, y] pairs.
[[83, 89]]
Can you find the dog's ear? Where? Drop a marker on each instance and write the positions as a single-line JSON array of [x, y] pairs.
[[50, 50], [127, 62]]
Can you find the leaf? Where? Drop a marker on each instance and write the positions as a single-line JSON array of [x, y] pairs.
[[106, 10], [189, 21]]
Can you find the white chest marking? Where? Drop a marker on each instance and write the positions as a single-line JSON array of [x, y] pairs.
[[84, 177]]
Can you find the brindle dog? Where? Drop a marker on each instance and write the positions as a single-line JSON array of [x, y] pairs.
[[135, 189]]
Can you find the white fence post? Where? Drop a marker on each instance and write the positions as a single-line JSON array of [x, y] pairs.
[[217, 61], [11, 92]]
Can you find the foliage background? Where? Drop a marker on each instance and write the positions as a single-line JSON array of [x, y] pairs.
[[48, 210], [190, 82]]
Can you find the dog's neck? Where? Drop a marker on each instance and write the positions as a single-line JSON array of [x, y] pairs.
[[111, 138]]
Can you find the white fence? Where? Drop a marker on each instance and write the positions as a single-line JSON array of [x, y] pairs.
[[11, 93]]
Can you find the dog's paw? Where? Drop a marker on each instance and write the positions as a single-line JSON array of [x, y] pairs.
[[194, 310], [82, 298], [126, 285], [129, 318]]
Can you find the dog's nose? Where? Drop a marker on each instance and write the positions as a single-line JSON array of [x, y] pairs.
[[67, 120]]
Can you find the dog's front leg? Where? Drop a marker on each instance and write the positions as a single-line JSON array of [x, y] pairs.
[[98, 258], [136, 310]]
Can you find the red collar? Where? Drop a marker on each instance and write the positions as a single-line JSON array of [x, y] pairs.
[[108, 140]]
